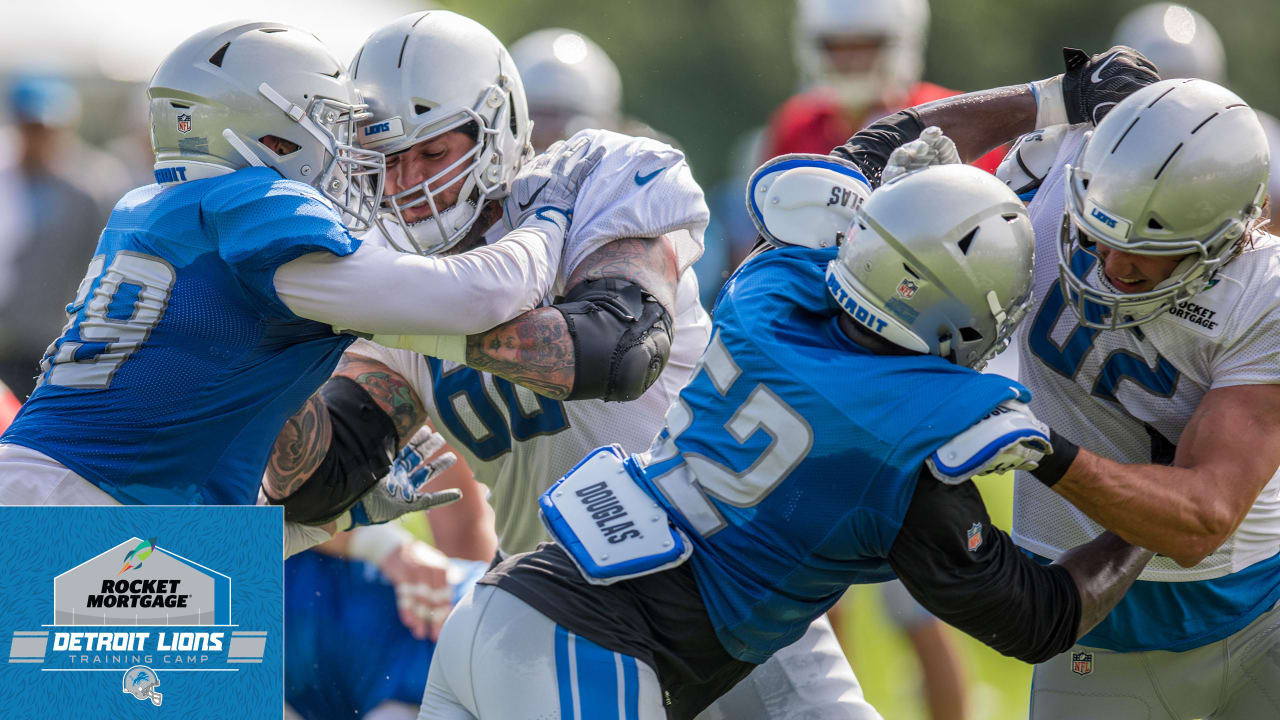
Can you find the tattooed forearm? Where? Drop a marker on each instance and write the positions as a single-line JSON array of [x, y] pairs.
[[394, 395], [647, 262], [534, 350], [299, 448]]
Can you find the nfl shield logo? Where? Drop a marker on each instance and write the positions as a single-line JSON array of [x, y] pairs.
[[907, 288], [1082, 663], [184, 122], [975, 537]]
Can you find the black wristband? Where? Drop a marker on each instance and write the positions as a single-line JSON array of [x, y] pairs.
[[1054, 465]]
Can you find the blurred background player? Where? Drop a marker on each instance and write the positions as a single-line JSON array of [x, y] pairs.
[[571, 84], [1183, 44], [347, 655], [53, 200]]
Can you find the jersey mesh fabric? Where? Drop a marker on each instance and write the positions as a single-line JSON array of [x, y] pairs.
[[789, 538], [642, 188], [190, 413], [518, 443], [1127, 395]]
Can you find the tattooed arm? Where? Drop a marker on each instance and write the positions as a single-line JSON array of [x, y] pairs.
[[538, 350], [305, 439]]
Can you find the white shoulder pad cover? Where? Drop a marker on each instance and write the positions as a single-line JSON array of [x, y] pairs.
[[980, 449], [642, 188], [1030, 159], [806, 200]]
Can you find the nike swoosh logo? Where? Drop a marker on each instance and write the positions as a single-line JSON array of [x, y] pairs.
[[642, 179], [525, 205], [1096, 76]]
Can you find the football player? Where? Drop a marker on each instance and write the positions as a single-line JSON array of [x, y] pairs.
[[859, 60], [828, 438], [622, 323], [1154, 341], [207, 315]]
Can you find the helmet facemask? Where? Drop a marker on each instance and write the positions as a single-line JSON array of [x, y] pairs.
[[351, 177], [1096, 301], [477, 175]]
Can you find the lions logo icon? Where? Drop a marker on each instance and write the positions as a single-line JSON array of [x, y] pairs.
[[141, 682]]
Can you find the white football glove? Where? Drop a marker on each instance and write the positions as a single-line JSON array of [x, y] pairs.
[[547, 187], [401, 491], [931, 148], [1008, 438]]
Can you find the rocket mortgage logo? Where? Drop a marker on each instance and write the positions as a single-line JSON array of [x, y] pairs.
[[133, 613]]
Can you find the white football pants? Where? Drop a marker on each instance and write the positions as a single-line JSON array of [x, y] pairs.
[[499, 659]]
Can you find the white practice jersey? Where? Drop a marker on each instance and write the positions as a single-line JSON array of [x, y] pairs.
[[1128, 394], [517, 442]]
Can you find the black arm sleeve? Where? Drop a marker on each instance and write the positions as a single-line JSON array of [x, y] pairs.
[[869, 149], [971, 575], [360, 452]]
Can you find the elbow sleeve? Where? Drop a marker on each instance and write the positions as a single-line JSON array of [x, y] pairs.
[[361, 450], [621, 339]]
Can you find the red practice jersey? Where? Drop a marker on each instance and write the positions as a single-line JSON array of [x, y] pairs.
[[812, 122]]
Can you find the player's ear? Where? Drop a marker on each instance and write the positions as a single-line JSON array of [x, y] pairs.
[[279, 145]]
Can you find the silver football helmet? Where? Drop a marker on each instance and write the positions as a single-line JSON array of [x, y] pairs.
[[427, 74], [223, 90], [1179, 168], [938, 261], [570, 81], [1179, 40]]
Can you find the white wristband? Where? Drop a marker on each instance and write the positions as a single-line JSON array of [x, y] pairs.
[[445, 347], [373, 543], [1050, 108]]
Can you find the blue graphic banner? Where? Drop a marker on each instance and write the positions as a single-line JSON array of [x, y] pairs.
[[142, 612]]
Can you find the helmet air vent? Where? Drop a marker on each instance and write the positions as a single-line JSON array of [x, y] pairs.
[[1161, 95], [967, 240], [1010, 217], [968, 334], [272, 30], [216, 58], [910, 272], [420, 109], [1125, 134], [1206, 120], [1166, 161], [1154, 224]]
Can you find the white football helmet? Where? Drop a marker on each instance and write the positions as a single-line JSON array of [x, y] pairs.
[[1179, 40], [938, 261], [901, 24], [427, 74], [225, 88], [570, 81], [1178, 168]]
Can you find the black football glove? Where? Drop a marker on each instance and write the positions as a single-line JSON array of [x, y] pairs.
[[1091, 86]]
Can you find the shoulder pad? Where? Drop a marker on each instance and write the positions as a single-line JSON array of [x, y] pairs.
[[806, 200], [982, 448], [1029, 161]]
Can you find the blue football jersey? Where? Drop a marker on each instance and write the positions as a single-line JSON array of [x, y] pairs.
[[179, 364], [791, 457], [346, 650]]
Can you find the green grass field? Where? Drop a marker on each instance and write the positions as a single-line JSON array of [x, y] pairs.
[[886, 666]]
